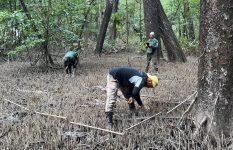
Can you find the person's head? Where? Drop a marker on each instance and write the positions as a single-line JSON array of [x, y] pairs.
[[152, 81], [152, 35]]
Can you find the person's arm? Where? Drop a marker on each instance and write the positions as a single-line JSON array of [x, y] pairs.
[[154, 44], [138, 99], [136, 94]]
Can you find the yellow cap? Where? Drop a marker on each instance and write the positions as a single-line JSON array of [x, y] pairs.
[[154, 80]]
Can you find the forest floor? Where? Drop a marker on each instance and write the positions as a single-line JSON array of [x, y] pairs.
[[82, 99]]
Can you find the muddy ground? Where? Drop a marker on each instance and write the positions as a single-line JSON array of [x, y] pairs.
[[82, 99]]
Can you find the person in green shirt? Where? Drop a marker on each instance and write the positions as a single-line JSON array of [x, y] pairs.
[[151, 51], [71, 60]]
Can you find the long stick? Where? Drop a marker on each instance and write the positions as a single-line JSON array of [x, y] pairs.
[[61, 117], [143, 121], [17, 104], [92, 127], [181, 102]]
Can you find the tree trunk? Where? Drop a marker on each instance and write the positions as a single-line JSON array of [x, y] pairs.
[[171, 43], [47, 55], [86, 13], [114, 26], [151, 19], [156, 21], [127, 22], [140, 19], [28, 15], [188, 21], [100, 12], [104, 26], [213, 111]]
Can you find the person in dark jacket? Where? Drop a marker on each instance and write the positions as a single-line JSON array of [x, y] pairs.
[[130, 81], [71, 59]]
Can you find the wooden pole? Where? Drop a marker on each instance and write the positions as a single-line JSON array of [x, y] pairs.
[[65, 118], [143, 121]]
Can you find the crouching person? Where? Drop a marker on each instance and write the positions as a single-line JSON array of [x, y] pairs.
[[130, 81], [71, 60]]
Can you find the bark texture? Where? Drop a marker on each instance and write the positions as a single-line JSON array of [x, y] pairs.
[[213, 111], [104, 26], [151, 17]]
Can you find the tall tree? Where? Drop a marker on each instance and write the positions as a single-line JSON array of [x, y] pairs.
[[86, 13], [47, 55], [170, 40], [213, 110], [104, 26], [151, 17], [157, 21], [189, 27], [114, 24], [127, 21]]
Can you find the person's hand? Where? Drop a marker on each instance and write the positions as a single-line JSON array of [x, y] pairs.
[[142, 107], [130, 100]]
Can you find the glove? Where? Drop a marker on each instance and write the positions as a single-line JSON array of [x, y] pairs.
[[109, 118]]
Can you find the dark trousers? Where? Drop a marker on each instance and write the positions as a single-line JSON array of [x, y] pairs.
[[153, 58], [69, 63]]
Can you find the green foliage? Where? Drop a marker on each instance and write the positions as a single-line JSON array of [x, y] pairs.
[[26, 44], [3, 15], [68, 35], [65, 20]]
